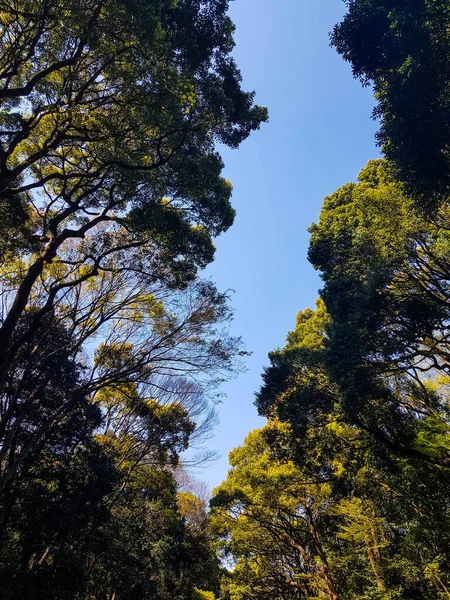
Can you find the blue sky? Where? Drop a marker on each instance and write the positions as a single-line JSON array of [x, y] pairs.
[[319, 136]]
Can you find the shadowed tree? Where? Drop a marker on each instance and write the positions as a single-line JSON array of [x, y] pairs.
[[402, 48]]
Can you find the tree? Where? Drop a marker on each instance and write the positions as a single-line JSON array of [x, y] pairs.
[[92, 509], [162, 356], [384, 504], [110, 115], [112, 193], [268, 515], [54, 491], [402, 48], [386, 281], [111, 348], [200, 559], [134, 401]]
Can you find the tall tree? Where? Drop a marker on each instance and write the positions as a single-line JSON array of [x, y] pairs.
[[386, 290], [110, 115], [402, 48], [131, 351], [384, 505], [268, 516], [89, 506]]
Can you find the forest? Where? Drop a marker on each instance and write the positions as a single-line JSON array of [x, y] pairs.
[[114, 345]]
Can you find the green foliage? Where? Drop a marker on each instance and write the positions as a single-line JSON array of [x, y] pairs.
[[201, 595], [402, 48], [89, 506], [110, 346], [110, 112], [385, 289], [384, 519]]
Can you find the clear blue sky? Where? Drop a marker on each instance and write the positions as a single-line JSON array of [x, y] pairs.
[[319, 136]]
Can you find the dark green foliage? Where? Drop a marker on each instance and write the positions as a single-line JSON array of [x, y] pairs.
[[402, 47], [86, 514], [385, 284]]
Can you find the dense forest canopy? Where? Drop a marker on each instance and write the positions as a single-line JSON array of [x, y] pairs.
[[112, 346]]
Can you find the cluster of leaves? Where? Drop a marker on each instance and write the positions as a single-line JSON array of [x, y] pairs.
[[386, 289]]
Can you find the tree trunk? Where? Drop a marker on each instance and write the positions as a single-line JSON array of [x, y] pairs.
[[331, 588], [375, 560]]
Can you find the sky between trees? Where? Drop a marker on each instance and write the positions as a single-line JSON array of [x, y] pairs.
[[319, 136]]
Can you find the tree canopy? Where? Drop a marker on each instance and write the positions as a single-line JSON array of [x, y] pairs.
[[402, 48], [111, 113], [385, 287]]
